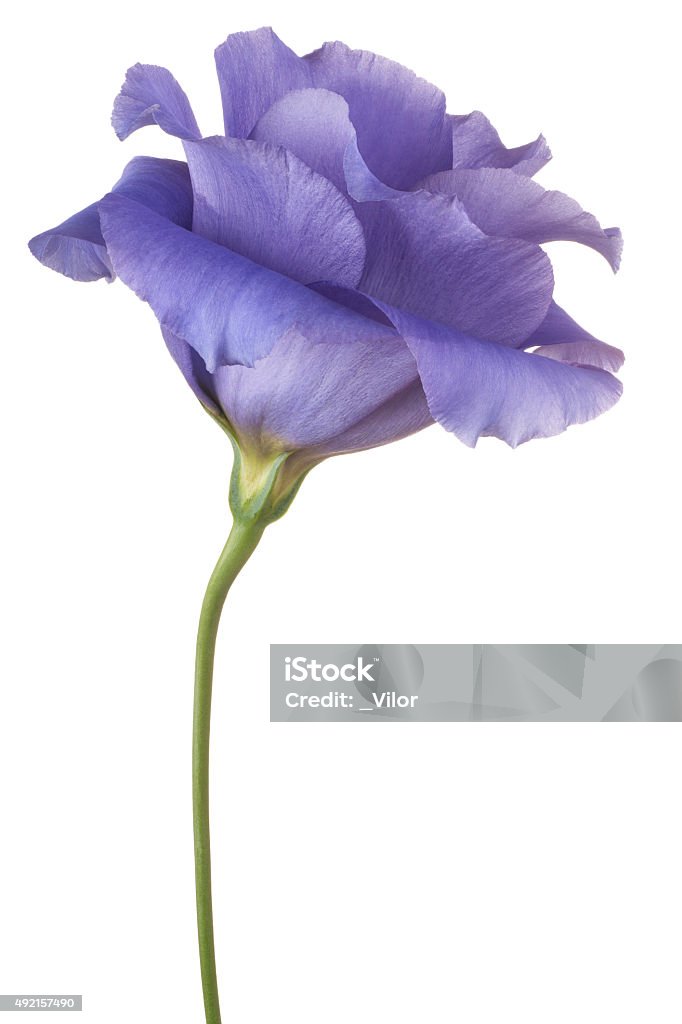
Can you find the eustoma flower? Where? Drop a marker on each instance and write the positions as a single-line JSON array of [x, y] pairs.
[[346, 265]]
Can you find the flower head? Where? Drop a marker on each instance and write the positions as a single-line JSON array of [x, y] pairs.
[[349, 262]]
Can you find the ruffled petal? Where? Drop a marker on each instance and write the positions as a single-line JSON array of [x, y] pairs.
[[560, 337], [352, 299], [254, 70], [405, 412], [263, 202], [477, 389], [315, 124], [426, 256], [193, 369], [229, 309], [150, 95], [584, 353], [325, 398], [510, 205], [76, 248], [475, 143], [399, 118], [163, 186]]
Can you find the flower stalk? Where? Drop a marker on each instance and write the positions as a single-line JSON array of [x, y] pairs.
[[255, 502], [239, 547]]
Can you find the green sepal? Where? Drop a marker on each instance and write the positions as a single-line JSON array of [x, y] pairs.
[[261, 489]]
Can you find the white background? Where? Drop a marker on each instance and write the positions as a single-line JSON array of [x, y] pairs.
[[434, 873]]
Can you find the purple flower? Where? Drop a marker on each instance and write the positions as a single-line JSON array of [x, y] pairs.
[[349, 262]]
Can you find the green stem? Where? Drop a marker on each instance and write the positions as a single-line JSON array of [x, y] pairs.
[[240, 545]]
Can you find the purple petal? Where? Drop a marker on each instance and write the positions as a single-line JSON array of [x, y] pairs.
[[557, 327], [229, 309], [362, 185], [263, 202], [584, 353], [425, 256], [475, 143], [399, 118], [254, 70], [193, 369], [477, 388], [315, 124], [352, 299], [76, 248], [507, 204], [326, 397], [150, 95], [163, 186], [560, 337]]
